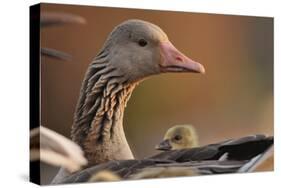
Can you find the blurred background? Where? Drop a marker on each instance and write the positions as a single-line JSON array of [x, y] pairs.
[[233, 99]]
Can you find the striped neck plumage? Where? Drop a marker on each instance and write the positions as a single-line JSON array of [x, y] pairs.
[[98, 122]]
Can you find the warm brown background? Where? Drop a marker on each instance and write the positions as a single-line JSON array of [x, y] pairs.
[[234, 98]]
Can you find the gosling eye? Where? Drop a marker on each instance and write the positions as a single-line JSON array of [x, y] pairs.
[[178, 137], [142, 42]]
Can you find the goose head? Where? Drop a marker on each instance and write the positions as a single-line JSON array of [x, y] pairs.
[[139, 49], [179, 137]]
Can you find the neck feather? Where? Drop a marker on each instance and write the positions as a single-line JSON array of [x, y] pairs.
[[98, 122]]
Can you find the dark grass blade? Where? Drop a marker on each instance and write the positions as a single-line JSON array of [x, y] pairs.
[[58, 18], [52, 53]]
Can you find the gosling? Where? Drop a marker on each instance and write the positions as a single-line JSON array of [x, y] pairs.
[[179, 137]]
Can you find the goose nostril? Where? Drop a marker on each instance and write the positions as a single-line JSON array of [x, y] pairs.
[[179, 59]]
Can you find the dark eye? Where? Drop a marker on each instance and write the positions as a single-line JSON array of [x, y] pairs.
[[142, 42], [177, 137]]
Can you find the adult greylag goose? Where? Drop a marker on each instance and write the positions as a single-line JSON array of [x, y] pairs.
[[133, 51], [179, 137]]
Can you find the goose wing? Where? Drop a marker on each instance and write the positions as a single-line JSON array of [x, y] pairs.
[[243, 148], [235, 155]]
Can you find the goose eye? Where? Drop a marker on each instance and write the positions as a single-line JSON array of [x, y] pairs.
[[142, 42], [177, 137]]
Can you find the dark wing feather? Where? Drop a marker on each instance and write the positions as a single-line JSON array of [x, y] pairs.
[[248, 147], [194, 154], [206, 159], [259, 160]]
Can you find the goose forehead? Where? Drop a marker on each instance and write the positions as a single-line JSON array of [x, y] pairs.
[[180, 130], [172, 132], [144, 28]]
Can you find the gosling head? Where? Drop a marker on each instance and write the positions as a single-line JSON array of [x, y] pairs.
[[179, 137]]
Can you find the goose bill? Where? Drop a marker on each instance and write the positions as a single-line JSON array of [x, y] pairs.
[[175, 61], [164, 145]]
